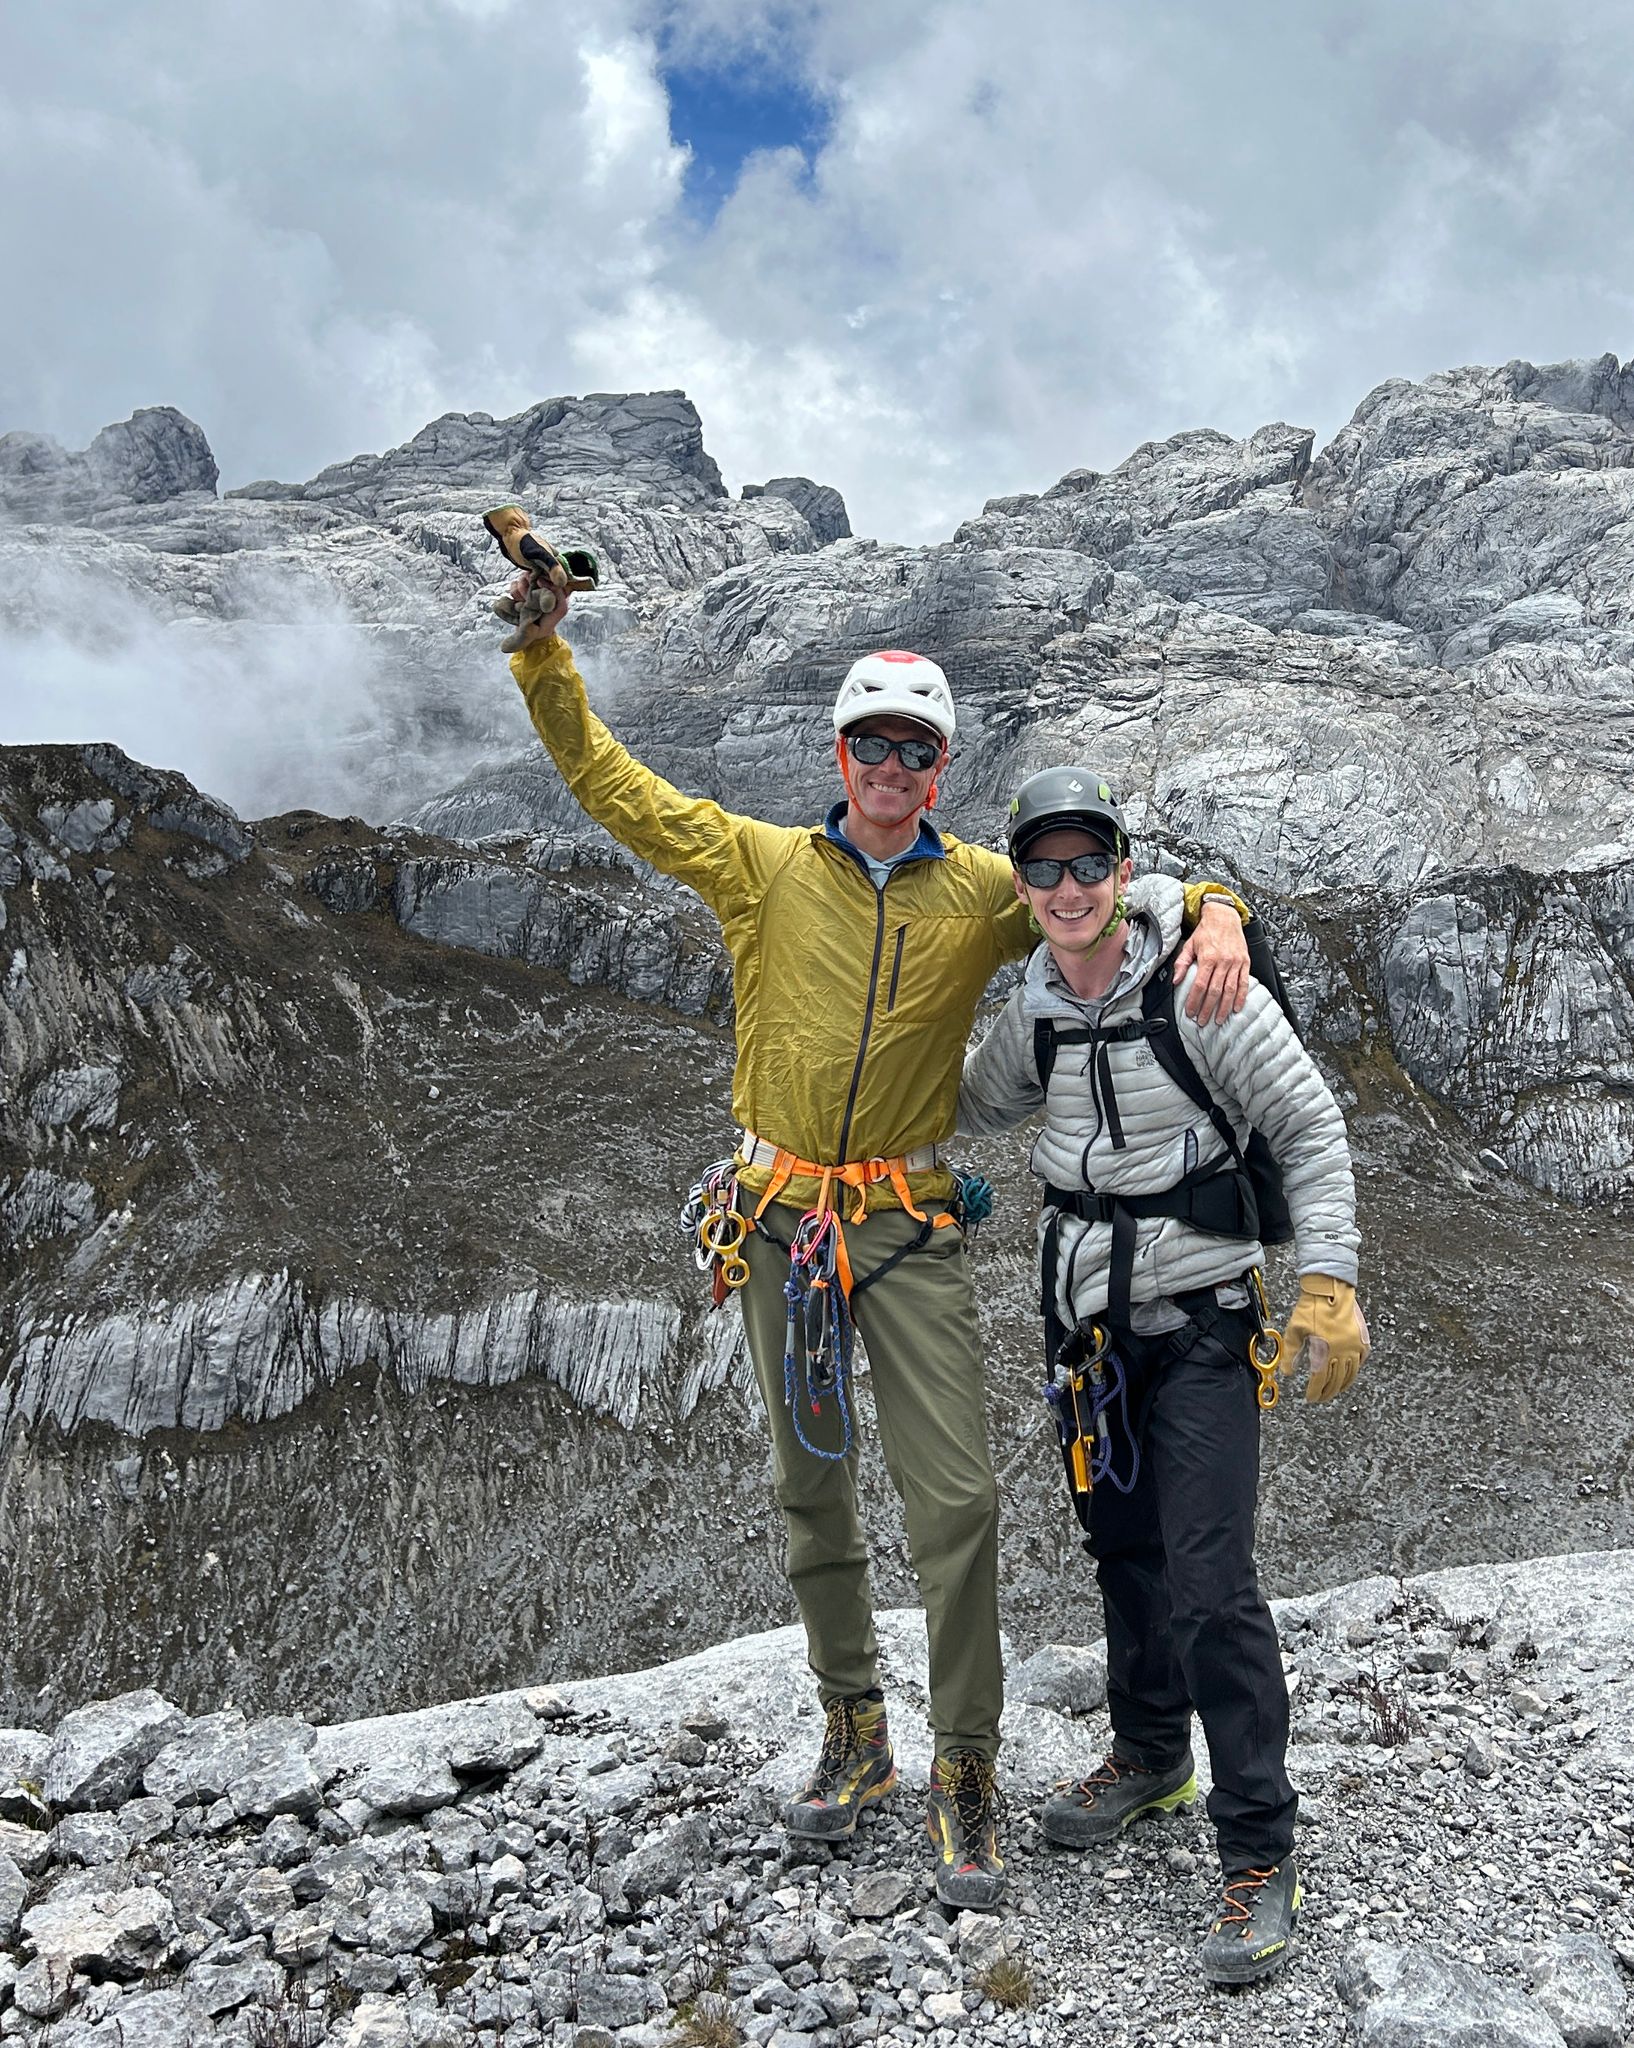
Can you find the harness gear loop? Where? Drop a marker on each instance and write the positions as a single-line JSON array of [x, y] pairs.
[[717, 1227], [1095, 1382]]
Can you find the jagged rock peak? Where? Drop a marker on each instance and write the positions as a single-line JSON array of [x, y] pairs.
[[154, 456], [650, 438], [820, 505]]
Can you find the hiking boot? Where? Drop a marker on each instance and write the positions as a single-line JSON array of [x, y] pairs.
[[854, 1769], [962, 1821], [1250, 1938], [1101, 1806]]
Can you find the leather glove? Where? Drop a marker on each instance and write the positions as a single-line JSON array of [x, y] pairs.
[[1328, 1323], [551, 575]]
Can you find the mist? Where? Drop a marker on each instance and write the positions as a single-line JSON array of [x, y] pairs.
[[299, 706]]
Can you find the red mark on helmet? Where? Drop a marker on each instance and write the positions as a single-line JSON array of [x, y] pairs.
[[896, 654]]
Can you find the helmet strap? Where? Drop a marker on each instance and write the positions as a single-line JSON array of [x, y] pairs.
[[1119, 912]]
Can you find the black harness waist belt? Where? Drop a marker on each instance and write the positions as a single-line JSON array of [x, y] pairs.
[[1220, 1201]]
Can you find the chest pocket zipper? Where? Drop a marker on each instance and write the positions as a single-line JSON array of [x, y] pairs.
[[896, 966]]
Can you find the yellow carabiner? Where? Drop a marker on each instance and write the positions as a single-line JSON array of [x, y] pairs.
[[734, 1269], [721, 1232]]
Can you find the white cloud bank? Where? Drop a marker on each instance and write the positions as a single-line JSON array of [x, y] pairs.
[[1030, 240]]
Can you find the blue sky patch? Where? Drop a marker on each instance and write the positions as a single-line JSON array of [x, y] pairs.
[[725, 115]]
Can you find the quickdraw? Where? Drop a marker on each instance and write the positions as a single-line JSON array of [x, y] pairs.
[[821, 1334], [1095, 1383], [1265, 1346], [718, 1228]]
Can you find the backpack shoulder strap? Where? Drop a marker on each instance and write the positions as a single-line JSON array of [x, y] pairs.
[[1163, 1036]]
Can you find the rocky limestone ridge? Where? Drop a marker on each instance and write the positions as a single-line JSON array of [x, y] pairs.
[[338, 1176], [820, 505], [154, 458], [375, 577], [599, 1863]]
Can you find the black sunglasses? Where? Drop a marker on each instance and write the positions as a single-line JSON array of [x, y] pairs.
[[1087, 868], [873, 747]]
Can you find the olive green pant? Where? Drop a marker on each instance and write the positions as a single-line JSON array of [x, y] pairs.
[[918, 1322]]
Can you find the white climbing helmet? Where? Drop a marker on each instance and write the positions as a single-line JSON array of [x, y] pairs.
[[892, 684]]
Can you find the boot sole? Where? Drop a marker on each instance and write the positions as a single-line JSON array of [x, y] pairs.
[[1179, 1801], [875, 1793]]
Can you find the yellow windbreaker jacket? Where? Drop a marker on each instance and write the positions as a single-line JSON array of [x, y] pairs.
[[853, 1002]]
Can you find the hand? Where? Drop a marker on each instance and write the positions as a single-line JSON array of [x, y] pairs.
[[1327, 1324], [541, 628], [1219, 952]]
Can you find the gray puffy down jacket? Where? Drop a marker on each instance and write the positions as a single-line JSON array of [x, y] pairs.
[[1253, 1064]]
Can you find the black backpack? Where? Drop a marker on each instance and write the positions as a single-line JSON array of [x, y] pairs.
[[1240, 1196]]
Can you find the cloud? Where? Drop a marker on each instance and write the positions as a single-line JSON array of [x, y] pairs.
[[1007, 252], [280, 701]]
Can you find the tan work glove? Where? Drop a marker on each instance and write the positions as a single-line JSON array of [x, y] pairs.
[[1328, 1323]]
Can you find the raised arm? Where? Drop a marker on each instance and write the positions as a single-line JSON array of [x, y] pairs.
[[728, 859]]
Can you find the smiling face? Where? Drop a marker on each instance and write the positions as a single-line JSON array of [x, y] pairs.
[[1073, 915], [889, 795]]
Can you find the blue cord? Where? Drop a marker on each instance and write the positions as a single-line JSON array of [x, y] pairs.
[[819, 1327]]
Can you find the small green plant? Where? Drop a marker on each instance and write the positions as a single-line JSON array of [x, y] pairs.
[[1008, 1981], [706, 2023]]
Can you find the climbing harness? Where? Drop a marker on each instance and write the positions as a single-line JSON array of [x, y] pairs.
[[717, 1227], [820, 1289], [1094, 1384], [1265, 1346]]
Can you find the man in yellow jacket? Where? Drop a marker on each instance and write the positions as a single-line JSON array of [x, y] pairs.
[[860, 948]]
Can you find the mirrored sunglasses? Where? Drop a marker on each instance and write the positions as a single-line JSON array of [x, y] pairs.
[[873, 747], [1085, 868]]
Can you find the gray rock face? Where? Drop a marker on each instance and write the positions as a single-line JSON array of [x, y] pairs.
[[819, 505], [653, 438], [101, 1751], [157, 455], [13, 1893], [118, 1933], [1576, 1981], [88, 1096], [199, 1764], [1408, 1998]]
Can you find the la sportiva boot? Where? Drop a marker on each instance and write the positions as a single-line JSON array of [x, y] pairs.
[[1098, 1808], [1251, 1935], [855, 1769], [962, 1821]]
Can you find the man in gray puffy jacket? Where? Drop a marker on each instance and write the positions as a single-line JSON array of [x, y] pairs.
[[1152, 1258]]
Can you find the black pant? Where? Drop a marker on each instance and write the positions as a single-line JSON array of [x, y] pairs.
[[1185, 1624]]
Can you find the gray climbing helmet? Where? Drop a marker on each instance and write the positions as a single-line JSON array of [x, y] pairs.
[[1057, 797]]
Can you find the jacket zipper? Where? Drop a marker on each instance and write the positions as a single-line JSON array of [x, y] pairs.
[[896, 966], [867, 1016]]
